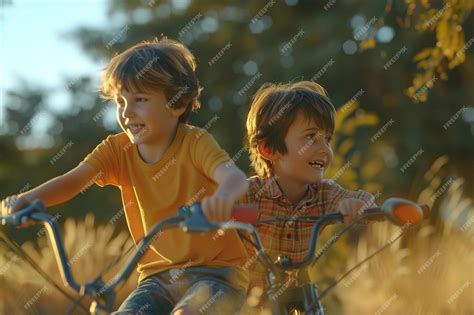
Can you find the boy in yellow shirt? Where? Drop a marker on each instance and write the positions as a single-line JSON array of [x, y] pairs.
[[161, 163], [289, 129]]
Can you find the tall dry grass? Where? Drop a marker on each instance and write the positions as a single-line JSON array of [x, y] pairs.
[[90, 248], [431, 271]]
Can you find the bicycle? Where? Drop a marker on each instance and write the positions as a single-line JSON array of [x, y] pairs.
[[297, 298]]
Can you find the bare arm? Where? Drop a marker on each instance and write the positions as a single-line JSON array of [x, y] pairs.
[[232, 185], [232, 181], [55, 191]]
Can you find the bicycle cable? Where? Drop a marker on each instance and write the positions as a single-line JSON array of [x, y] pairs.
[[100, 275], [331, 286], [15, 248]]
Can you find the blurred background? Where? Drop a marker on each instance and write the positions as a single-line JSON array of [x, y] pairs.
[[400, 74]]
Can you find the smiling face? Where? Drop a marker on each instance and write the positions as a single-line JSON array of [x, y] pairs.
[[308, 153], [145, 117]]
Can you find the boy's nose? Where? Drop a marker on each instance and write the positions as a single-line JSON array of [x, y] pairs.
[[127, 110], [325, 148]]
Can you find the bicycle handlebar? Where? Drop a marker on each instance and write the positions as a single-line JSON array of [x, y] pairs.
[[189, 219], [192, 219]]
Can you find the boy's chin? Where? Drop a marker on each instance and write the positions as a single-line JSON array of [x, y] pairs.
[[133, 140], [315, 180], [136, 139]]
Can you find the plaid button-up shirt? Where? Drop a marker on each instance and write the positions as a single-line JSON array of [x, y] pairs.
[[290, 239]]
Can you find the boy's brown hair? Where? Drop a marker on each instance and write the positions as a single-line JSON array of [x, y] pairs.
[[272, 111], [158, 64]]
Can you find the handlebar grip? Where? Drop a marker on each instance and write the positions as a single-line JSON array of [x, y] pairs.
[[374, 214], [23, 215], [246, 213]]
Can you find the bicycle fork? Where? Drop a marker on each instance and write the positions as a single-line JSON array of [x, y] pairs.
[[297, 300]]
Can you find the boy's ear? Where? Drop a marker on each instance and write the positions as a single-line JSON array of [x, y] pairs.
[[265, 151]]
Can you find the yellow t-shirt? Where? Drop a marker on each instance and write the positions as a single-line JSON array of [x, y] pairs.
[[153, 192]]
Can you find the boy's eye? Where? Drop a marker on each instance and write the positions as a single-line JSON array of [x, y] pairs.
[[311, 136], [141, 99]]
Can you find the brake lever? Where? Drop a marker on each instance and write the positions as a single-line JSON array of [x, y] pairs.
[[195, 220], [22, 216]]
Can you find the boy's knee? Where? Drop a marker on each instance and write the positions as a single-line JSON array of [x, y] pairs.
[[185, 311]]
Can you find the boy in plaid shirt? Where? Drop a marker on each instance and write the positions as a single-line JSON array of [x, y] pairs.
[[289, 129]]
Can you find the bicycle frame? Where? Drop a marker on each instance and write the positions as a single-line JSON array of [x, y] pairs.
[[191, 219]]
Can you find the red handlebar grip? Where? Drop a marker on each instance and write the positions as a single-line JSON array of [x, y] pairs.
[[247, 213]]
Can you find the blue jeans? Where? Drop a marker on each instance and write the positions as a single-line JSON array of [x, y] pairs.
[[203, 290]]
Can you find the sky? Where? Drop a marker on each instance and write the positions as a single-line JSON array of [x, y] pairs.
[[34, 46]]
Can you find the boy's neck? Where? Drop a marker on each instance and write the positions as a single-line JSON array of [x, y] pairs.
[[293, 190], [153, 152]]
